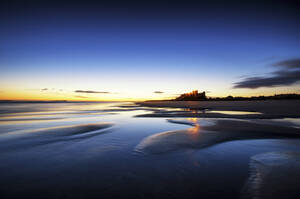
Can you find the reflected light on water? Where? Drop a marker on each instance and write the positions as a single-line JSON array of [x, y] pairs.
[[195, 131], [235, 112], [193, 119]]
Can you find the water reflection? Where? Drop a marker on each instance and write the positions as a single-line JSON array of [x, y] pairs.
[[195, 137], [234, 112], [76, 152]]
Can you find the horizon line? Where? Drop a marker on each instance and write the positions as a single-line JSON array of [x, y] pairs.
[[137, 100]]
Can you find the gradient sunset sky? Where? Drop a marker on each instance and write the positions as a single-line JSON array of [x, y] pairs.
[[136, 50]]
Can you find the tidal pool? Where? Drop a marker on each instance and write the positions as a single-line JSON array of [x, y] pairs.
[[101, 150], [235, 112]]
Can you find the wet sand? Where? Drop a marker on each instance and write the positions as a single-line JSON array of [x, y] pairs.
[[42, 136], [273, 175], [101, 150], [207, 133], [267, 109]]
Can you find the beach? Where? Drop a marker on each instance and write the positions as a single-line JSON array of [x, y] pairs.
[[116, 150], [256, 109], [149, 99]]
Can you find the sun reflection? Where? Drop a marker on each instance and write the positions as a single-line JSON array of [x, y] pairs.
[[194, 132], [193, 119]]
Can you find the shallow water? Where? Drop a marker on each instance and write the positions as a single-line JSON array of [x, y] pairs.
[[100, 150], [235, 112]]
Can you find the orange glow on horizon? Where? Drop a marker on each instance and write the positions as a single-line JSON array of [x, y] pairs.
[[15, 92]]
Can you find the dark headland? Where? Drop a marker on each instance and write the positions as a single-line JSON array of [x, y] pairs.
[[196, 104], [196, 96]]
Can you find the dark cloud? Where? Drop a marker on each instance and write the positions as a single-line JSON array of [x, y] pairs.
[[158, 92], [44, 89], [291, 63], [280, 78], [289, 75], [89, 92]]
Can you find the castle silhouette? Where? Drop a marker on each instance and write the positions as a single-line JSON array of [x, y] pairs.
[[192, 96]]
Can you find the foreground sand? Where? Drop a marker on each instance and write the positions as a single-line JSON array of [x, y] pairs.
[[208, 132], [268, 108]]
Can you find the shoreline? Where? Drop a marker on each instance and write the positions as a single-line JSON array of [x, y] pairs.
[[267, 109]]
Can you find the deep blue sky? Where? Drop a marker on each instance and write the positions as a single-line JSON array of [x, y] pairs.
[[132, 48]]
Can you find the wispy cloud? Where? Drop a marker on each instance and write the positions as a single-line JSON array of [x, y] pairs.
[[158, 92], [79, 96], [91, 92], [38, 89], [287, 75]]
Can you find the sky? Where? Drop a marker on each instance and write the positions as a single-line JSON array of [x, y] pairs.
[[138, 50]]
